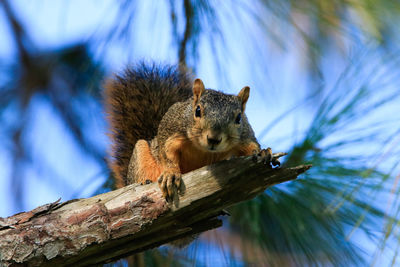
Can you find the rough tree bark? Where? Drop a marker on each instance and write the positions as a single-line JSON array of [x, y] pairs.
[[109, 226]]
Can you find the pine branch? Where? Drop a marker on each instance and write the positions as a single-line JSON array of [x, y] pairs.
[[109, 226]]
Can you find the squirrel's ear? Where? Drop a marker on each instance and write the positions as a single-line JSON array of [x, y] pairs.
[[244, 96], [198, 89]]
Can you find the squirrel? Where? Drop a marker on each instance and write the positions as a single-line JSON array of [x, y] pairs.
[[164, 124]]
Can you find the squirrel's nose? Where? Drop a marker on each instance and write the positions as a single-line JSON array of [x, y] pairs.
[[213, 141]]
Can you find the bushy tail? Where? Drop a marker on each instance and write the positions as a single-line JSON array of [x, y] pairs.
[[135, 103]]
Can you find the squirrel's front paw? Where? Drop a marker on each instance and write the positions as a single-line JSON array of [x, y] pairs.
[[265, 156], [170, 182]]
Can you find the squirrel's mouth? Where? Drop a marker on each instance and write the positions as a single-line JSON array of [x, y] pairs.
[[212, 143], [217, 147], [212, 148]]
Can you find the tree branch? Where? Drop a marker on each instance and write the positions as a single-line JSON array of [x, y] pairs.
[[109, 226]]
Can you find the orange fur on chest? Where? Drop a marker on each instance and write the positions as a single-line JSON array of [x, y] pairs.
[[192, 158]]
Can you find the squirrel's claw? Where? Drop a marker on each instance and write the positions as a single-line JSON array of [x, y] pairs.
[[266, 157], [169, 183], [162, 184], [177, 181], [275, 162]]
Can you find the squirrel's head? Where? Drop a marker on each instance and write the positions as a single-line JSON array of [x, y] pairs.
[[218, 118]]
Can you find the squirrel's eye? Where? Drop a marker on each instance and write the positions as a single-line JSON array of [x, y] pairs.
[[238, 118], [198, 112]]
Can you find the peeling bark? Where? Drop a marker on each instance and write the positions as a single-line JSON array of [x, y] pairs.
[[109, 226]]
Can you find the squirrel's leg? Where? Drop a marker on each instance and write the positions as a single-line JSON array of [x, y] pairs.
[[260, 155], [171, 175], [143, 167]]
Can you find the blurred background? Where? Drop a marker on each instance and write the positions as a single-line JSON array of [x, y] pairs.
[[324, 79]]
